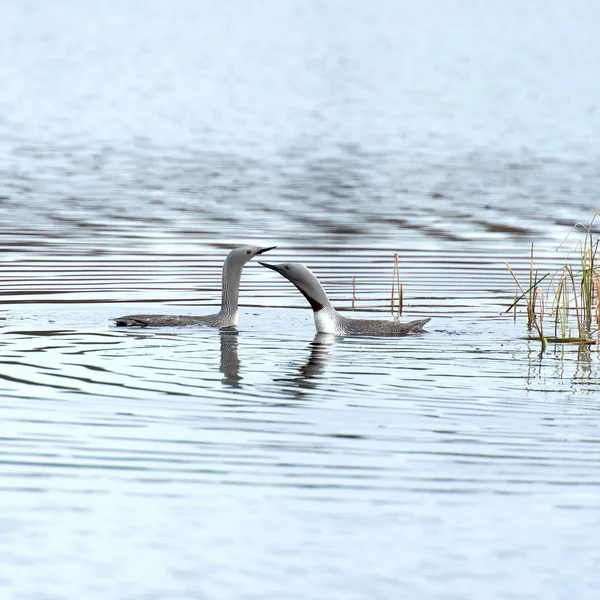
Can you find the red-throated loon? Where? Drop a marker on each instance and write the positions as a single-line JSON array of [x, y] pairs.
[[327, 319], [226, 317]]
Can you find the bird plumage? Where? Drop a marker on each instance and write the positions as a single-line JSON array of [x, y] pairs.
[[230, 288], [327, 319]]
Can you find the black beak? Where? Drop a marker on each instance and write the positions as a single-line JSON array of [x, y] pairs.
[[263, 250], [274, 267]]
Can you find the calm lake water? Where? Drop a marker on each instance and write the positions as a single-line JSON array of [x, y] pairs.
[[139, 143]]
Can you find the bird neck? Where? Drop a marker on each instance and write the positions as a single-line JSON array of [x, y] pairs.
[[230, 286], [315, 294], [327, 320]]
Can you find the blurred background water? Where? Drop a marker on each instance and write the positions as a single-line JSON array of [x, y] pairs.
[[139, 142]]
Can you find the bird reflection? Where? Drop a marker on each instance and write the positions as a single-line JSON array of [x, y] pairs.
[[230, 361], [308, 375]]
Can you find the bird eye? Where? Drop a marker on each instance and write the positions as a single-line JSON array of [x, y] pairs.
[[248, 251], [287, 267]]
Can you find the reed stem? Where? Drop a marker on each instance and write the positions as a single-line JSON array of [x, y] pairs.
[[573, 291]]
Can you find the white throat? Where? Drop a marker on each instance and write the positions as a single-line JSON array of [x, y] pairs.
[[325, 321], [233, 318]]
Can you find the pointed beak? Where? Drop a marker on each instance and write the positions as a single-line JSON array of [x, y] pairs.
[[273, 267], [263, 250]]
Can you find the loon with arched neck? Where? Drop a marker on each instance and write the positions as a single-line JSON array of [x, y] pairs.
[[327, 319], [230, 289]]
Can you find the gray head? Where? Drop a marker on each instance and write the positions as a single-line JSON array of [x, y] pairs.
[[232, 272], [305, 280], [241, 255]]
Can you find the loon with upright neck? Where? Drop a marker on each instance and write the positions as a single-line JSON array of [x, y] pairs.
[[327, 319], [229, 313]]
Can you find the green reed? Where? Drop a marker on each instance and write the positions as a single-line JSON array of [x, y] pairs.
[[568, 295], [396, 284]]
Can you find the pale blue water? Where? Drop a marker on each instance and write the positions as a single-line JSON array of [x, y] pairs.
[[139, 142]]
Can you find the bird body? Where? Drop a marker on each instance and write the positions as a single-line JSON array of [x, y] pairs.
[[230, 288], [215, 320], [327, 319]]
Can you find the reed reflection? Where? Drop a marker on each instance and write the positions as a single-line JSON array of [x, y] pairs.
[[564, 367]]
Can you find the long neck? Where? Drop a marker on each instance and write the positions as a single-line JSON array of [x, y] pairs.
[[327, 319], [316, 295], [230, 284]]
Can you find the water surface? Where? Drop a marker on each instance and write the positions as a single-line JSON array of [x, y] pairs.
[[138, 144]]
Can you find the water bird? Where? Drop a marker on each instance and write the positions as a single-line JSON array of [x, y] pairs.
[[229, 313], [327, 319]]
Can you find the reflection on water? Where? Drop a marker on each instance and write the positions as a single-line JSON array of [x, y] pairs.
[[310, 372], [268, 428], [568, 368], [230, 362]]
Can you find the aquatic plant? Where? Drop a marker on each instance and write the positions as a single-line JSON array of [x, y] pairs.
[[396, 283], [395, 309], [568, 294]]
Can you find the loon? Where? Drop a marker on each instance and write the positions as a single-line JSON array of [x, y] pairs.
[[229, 313], [327, 319]]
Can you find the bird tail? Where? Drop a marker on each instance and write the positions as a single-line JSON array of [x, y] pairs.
[[418, 325]]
